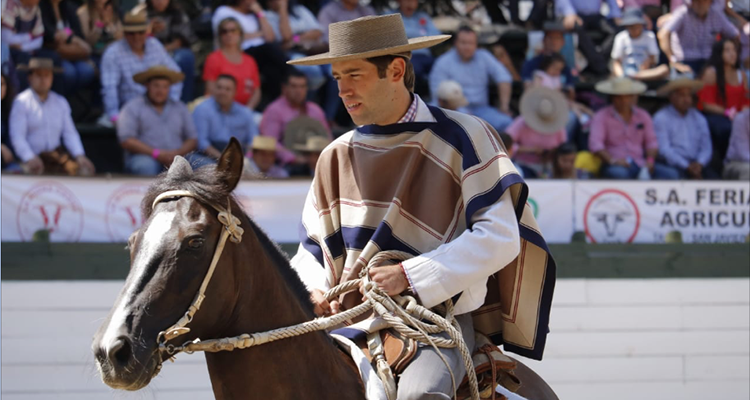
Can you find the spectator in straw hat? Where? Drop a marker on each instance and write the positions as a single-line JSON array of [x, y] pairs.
[[311, 152], [622, 134], [154, 128], [539, 129], [41, 129], [127, 57], [450, 95], [682, 131], [263, 162]]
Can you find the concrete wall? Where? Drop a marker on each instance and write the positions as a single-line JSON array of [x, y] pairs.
[[611, 339]]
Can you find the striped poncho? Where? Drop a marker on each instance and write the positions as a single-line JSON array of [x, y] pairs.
[[443, 189]]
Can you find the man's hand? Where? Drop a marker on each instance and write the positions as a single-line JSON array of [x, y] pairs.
[[570, 21], [166, 157], [621, 162], [682, 68], [85, 166], [389, 278], [323, 306], [695, 170], [35, 166], [7, 154]]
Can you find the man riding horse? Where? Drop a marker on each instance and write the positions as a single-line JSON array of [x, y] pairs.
[[434, 183]]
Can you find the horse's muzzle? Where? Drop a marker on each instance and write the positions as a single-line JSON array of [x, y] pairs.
[[119, 366]]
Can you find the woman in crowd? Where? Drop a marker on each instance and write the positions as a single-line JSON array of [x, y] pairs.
[[230, 60], [172, 27], [723, 94], [258, 41], [100, 25], [63, 36]]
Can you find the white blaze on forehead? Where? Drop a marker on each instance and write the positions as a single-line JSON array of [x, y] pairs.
[[152, 239]]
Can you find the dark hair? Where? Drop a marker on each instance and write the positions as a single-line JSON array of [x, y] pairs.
[[90, 4], [717, 61], [562, 150], [507, 140], [172, 8], [382, 63], [7, 101], [289, 6], [228, 77], [293, 73], [466, 29], [550, 59]]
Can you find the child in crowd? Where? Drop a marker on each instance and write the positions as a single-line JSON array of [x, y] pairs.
[[564, 163], [23, 29], [635, 53], [550, 75]]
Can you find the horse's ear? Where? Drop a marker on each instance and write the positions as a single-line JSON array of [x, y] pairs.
[[230, 163], [180, 166]]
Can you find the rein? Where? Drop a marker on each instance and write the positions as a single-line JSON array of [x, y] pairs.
[[402, 313]]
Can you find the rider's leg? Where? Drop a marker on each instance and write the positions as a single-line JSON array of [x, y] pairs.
[[426, 377]]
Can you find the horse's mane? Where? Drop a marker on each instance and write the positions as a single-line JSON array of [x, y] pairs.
[[208, 186]]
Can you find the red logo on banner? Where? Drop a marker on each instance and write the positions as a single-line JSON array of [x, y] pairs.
[[122, 214], [51, 206], [611, 216]]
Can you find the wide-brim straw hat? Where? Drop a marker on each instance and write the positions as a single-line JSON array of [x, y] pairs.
[[135, 21], [39, 63], [368, 37], [620, 86], [300, 129], [451, 92], [158, 71], [544, 110], [679, 83], [265, 143], [315, 144]]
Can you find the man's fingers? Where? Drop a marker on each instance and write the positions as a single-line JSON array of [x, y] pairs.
[[335, 307]]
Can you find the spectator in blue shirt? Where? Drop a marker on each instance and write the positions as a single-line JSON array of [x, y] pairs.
[[418, 23], [553, 42], [473, 69], [219, 118]]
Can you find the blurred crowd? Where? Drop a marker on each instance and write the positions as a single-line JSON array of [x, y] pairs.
[[578, 89]]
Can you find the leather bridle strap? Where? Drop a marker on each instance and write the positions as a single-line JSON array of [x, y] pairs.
[[231, 231]]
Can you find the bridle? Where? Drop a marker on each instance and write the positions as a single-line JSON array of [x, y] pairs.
[[231, 231]]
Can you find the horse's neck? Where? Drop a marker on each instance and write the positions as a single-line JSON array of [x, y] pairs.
[[296, 367]]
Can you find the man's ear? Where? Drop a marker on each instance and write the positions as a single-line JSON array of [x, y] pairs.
[[398, 68]]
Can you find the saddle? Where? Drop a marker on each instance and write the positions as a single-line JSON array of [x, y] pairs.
[[492, 367]]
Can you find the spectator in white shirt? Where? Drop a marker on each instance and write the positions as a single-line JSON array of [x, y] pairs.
[[41, 128], [635, 53]]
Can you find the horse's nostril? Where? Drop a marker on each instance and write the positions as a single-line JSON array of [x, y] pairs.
[[120, 351]]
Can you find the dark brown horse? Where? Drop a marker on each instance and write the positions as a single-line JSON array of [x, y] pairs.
[[253, 289]]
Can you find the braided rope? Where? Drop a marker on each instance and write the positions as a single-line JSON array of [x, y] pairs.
[[401, 312]]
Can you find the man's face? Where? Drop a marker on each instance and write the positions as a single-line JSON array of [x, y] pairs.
[[136, 40], [157, 90], [623, 101], [264, 159], [295, 90], [701, 7], [635, 30], [466, 45], [367, 97], [553, 41], [350, 3], [681, 99], [224, 92], [408, 7], [40, 81], [160, 5]]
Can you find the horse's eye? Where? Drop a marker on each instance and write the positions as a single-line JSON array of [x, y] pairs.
[[195, 243]]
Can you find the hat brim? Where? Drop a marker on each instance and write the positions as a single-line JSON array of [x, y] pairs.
[[606, 88], [172, 76], [414, 44], [632, 21], [56, 70], [135, 28], [671, 86], [530, 100]]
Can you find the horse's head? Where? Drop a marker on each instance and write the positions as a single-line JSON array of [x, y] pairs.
[[169, 258]]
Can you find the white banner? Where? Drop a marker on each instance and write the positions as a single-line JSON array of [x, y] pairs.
[[644, 212], [108, 210]]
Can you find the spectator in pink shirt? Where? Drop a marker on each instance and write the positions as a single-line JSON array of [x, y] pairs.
[[291, 104], [539, 129], [623, 134]]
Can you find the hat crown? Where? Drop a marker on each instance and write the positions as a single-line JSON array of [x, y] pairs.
[[545, 109], [264, 143], [137, 18], [366, 34]]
